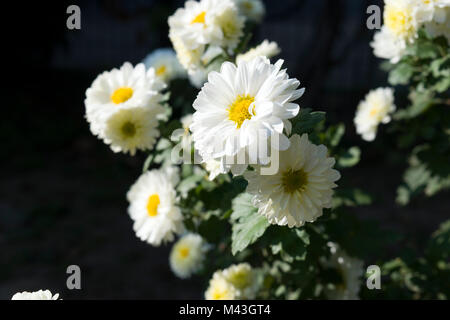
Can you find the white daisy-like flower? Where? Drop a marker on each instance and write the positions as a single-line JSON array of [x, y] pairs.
[[36, 295], [207, 22], [301, 188], [243, 278], [220, 288], [118, 89], [133, 129], [376, 108], [187, 255], [241, 107], [166, 65], [386, 46], [265, 49], [253, 10], [190, 59], [350, 269], [153, 206]]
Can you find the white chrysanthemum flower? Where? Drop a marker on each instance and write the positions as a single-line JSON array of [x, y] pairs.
[[187, 255], [207, 22], [118, 89], [243, 107], [387, 46], [376, 108], [153, 207], [214, 168], [133, 129], [253, 10], [265, 49], [440, 25], [402, 19], [301, 188], [166, 65], [36, 295], [220, 288], [350, 269], [190, 59], [243, 278]]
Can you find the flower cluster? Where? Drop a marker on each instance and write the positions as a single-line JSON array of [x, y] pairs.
[[36, 295], [402, 21]]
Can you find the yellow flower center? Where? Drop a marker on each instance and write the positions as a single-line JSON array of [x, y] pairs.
[[238, 111], [247, 5], [161, 70], [184, 252], [219, 294], [121, 95], [240, 279], [152, 205], [128, 129], [398, 21], [294, 180], [200, 18]]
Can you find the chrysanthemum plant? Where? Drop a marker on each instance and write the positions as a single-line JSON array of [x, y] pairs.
[[271, 225], [419, 65]]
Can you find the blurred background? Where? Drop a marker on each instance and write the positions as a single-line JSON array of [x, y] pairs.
[[62, 191]]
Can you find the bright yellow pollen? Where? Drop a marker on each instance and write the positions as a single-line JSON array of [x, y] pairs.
[[184, 252], [397, 21], [161, 70], [219, 294], [200, 18], [152, 205], [373, 112], [121, 95], [238, 111], [294, 181]]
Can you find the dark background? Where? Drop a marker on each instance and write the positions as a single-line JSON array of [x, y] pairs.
[[62, 191]]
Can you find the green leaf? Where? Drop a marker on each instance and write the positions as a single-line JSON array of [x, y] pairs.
[[248, 225], [147, 162], [351, 197], [401, 74], [349, 158], [306, 121], [188, 184]]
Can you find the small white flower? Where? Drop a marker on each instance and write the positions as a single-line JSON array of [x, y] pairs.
[[236, 282], [220, 288], [265, 49], [376, 108], [119, 89], [190, 59], [253, 10], [207, 22], [301, 188], [387, 46], [153, 208], [214, 168], [350, 269], [440, 25], [243, 278], [165, 63], [36, 295], [240, 106], [187, 255]]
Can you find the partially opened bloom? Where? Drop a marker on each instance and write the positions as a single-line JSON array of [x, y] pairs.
[[252, 10], [36, 295], [202, 23], [440, 24], [301, 188], [187, 255], [153, 206], [220, 288], [243, 278], [166, 65], [350, 270], [241, 108], [265, 49], [237, 282], [376, 108], [118, 89]]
